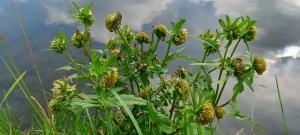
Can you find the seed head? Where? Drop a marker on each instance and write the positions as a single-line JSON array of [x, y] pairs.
[[113, 21], [111, 78], [219, 112], [77, 39], [206, 114], [238, 66], [161, 31], [181, 37], [142, 37], [259, 65]]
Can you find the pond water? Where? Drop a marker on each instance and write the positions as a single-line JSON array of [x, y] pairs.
[[278, 30]]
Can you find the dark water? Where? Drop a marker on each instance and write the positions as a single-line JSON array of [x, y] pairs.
[[278, 40]]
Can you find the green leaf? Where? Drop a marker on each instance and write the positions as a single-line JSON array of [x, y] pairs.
[[227, 19], [240, 116], [137, 127], [222, 23], [66, 68], [213, 64], [248, 79], [111, 60], [161, 121], [12, 87], [177, 26], [189, 58], [237, 89], [173, 56], [132, 100]]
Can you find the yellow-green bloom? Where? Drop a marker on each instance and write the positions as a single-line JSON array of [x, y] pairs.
[[142, 37], [111, 78], [161, 31], [181, 37], [206, 114], [113, 21], [238, 66], [219, 112], [61, 89], [259, 65]]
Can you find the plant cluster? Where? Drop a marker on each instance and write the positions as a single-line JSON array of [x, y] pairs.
[[128, 89]]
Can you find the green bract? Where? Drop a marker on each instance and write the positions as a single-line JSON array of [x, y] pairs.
[[59, 43]]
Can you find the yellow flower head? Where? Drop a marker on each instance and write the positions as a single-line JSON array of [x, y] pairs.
[[181, 37], [142, 37], [111, 78], [206, 113]]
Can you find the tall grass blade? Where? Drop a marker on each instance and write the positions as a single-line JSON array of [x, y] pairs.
[[281, 107], [29, 48], [137, 127], [12, 88]]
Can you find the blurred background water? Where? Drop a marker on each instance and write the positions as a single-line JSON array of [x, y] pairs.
[[278, 40]]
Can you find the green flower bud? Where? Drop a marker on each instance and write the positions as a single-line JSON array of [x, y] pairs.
[[238, 66], [181, 37], [111, 78], [182, 72], [182, 86], [86, 36], [59, 43], [85, 15], [142, 37], [161, 31], [219, 112], [251, 34], [259, 65], [113, 21], [77, 39], [206, 114]]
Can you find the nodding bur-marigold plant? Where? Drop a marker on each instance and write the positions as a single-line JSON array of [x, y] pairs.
[[124, 89]]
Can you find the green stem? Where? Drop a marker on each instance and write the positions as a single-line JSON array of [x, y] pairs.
[[224, 84], [167, 53], [156, 45]]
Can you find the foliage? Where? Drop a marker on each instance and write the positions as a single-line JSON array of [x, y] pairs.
[[115, 91]]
